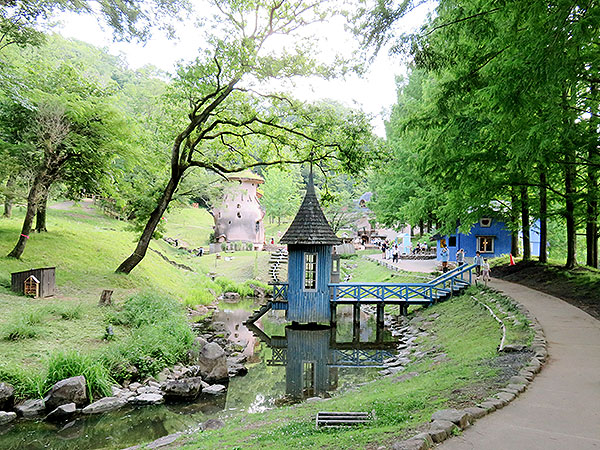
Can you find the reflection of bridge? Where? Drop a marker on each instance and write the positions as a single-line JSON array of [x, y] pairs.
[[312, 356]]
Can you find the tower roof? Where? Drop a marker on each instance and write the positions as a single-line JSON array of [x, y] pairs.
[[310, 225]]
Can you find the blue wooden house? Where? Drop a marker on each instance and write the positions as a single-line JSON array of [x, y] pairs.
[[310, 241], [490, 236]]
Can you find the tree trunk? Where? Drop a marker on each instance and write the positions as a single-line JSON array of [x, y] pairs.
[[142, 247], [37, 189], [40, 217], [8, 198], [591, 226], [543, 218], [525, 223], [570, 208], [421, 228], [514, 215]]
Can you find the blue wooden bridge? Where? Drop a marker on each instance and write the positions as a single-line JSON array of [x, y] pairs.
[[381, 294]]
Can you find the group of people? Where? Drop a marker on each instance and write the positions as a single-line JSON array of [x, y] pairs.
[[482, 265], [390, 251]]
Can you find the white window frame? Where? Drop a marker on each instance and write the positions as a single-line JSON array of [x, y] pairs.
[[304, 272], [485, 219], [493, 240]]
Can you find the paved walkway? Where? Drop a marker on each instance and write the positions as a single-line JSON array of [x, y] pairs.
[[410, 265], [561, 408]]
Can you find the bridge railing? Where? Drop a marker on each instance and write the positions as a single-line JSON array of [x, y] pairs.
[[447, 280], [381, 291], [280, 291]]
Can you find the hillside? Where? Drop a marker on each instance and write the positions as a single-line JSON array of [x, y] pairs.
[[86, 247]]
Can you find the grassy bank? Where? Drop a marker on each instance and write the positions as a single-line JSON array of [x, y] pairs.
[[37, 336], [461, 368]]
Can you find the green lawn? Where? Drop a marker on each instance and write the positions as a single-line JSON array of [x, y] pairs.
[[191, 226]]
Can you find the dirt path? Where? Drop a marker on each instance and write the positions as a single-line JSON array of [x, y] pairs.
[[561, 408]]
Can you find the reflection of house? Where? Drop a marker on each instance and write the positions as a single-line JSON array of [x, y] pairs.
[[489, 236], [240, 217], [312, 357]]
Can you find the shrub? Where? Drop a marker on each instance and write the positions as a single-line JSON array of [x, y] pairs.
[[27, 383], [198, 296], [63, 365], [19, 329], [160, 336], [228, 285]]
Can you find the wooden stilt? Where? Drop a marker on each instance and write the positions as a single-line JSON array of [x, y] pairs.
[[356, 323], [333, 307]]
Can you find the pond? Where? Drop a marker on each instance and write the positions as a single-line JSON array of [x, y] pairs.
[[284, 363]]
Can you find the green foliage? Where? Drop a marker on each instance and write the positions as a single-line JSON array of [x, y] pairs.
[[68, 364], [159, 336], [27, 383], [20, 329]]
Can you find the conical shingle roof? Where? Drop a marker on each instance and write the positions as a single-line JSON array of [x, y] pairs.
[[310, 225]]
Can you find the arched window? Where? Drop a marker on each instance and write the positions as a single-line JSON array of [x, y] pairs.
[[239, 215]]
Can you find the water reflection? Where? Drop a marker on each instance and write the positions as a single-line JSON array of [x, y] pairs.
[[313, 355]]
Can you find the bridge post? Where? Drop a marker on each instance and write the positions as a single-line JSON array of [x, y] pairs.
[[356, 322], [333, 307], [380, 308]]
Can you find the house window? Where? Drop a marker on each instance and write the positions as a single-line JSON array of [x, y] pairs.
[[452, 241], [485, 222], [308, 377], [310, 271], [257, 226], [485, 244]]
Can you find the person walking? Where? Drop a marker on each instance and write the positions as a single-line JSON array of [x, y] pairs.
[[478, 261], [444, 255], [486, 271], [460, 257]]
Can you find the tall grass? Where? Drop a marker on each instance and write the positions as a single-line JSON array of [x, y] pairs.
[[25, 325], [27, 383], [63, 365], [160, 336]]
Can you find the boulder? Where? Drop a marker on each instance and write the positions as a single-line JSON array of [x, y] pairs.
[[183, 389], [460, 418], [7, 396], [104, 405], [163, 441], [70, 390], [421, 441], [212, 424], [440, 430], [62, 412], [236, 370], [195, 349], [6, 417], [147, 399], [476, 412], [31, 408], [212, 361], [214, 389]]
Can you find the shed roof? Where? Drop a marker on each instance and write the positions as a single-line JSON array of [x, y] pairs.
[[310, 225]]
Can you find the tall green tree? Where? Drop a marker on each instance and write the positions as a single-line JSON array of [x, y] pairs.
[[225, 119]]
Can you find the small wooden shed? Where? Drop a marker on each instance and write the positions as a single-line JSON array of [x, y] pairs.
[[44, 277]]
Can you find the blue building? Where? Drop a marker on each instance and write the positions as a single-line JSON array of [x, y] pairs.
[[310, 241], [489, 236]]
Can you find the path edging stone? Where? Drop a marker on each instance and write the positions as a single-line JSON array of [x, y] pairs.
[[439, 430]]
